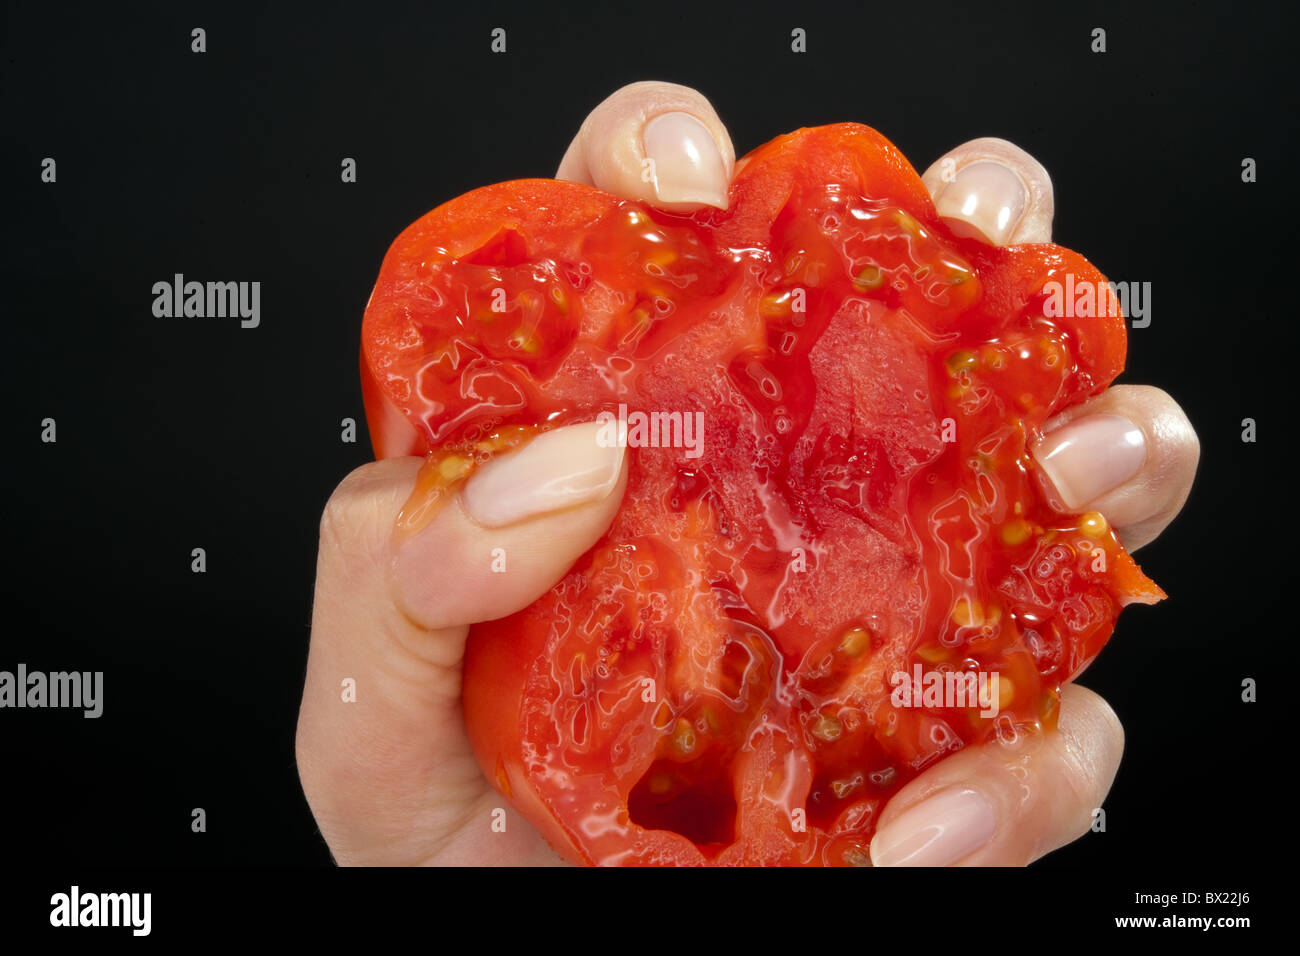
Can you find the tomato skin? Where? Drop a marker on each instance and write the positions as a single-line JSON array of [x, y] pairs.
[[683, 696], [391, 433], [495, 676]]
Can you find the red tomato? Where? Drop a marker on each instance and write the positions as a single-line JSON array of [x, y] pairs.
[[719, 679]]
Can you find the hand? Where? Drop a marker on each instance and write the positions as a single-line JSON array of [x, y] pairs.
[[391, 777]]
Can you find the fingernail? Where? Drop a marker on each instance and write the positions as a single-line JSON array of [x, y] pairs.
[[941, 829], [988, 198], [557, 469], [687, 164], [1090, 456]]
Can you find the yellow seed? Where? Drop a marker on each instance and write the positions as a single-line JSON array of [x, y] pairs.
[[662, 256], [1052, 351], [842, 788], [636, 217], [660, 783], [967, 613], [826, 727], [870, 277], [933, 653], [774, 305], [992, 357], [454, 467], [908, 222], [1093, 524], [1006, 691], [961, 360], [684, 736], [509, 437], [1015, 531], [639, 324], [855, 642], [525, 341], [560, 299]]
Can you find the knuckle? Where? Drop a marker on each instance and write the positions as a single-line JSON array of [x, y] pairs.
[[356, 518], [337, 514]]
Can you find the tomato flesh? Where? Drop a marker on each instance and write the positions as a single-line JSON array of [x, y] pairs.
[[716, 680]]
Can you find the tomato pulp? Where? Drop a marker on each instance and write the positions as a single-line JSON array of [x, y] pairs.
[[776, 631]]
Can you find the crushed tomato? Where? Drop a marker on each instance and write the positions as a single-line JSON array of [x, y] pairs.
[[718, 679]]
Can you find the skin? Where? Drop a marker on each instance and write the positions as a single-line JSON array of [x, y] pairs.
[[391, 778]]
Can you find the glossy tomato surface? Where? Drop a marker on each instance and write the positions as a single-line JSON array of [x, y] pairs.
[[740, 671]]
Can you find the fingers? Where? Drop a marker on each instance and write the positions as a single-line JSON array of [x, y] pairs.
[[382, 751], [994, 191], [1006, 805], [657, 142], [1129, 453]]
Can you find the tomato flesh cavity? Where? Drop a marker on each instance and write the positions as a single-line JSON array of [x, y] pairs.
[[835, 561]]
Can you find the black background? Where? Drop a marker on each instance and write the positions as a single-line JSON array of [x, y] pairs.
[[183, 433]]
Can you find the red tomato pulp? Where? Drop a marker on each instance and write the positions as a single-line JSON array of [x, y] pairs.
[[718, 679]]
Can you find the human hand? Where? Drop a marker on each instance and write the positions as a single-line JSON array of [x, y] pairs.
[[392, 779]]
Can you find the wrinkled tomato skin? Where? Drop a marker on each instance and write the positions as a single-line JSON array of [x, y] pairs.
[[710, 683]]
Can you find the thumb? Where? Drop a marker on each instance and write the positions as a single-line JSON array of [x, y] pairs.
[[521, 521], [382, 752]]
